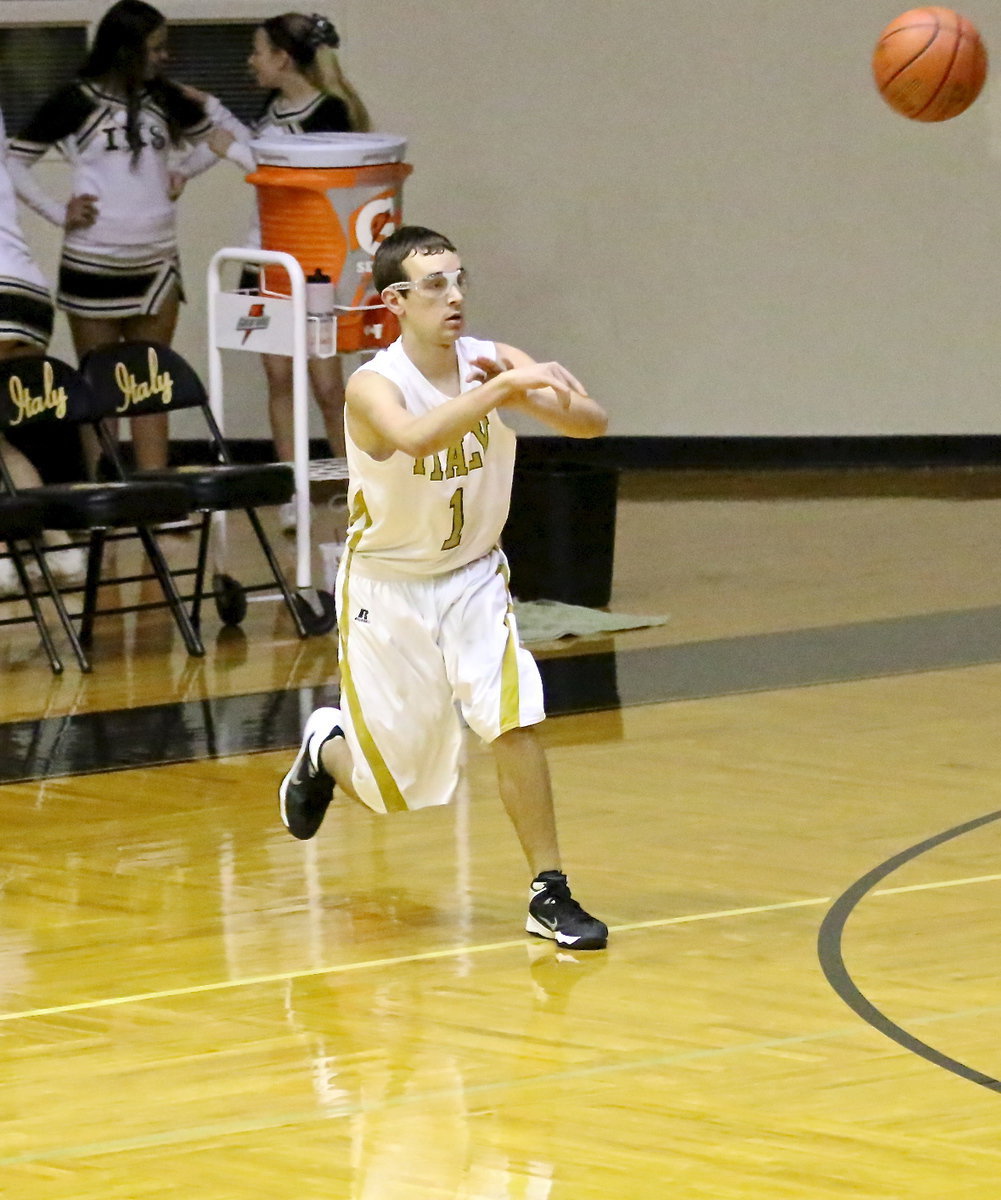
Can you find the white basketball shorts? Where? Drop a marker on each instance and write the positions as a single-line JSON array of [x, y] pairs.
[[410, 650]]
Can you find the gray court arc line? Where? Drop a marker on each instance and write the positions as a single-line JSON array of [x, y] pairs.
[[829, 951]]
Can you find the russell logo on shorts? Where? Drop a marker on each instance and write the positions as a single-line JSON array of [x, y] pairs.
[[362, 615]]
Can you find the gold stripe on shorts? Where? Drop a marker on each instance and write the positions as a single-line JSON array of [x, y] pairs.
[[389, 790], [510, 704]]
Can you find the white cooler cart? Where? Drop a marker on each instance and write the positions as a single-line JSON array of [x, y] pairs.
[[269, 324]]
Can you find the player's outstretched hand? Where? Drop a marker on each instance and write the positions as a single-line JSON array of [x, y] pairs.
[[486, 368], [81, 212], [546, 375]]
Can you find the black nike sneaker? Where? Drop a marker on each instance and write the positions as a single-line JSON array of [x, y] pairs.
[[308, 788], [553, 913]]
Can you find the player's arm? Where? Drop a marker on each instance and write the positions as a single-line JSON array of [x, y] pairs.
[[567, 409], [380, 423]]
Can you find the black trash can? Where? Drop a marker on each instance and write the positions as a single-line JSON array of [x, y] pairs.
[[560, 533]]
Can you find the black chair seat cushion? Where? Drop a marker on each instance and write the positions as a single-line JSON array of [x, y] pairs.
[[19, 518], [231, 485], [111, 505]]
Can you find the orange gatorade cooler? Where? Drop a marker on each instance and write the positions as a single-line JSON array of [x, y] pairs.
[[329, 199]]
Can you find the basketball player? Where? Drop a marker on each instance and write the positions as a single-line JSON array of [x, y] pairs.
[[119, 277], [424, 611]]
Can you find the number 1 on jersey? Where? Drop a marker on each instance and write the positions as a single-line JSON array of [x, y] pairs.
[[455, 536]]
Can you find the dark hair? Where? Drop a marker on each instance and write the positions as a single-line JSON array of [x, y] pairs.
[[119, 53], [301, 36], [387, 266], [119, 46], [311, 43]]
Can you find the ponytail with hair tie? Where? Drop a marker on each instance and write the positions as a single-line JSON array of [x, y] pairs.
[[322, 33], [312, 42]]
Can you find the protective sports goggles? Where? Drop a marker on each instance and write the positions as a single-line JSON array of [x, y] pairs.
[[436, 285]]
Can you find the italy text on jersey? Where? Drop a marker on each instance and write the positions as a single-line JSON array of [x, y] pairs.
[[456, 460]]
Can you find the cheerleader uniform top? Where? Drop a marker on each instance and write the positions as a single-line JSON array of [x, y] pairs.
[[87, 125]]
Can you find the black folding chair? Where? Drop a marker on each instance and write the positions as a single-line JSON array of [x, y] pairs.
[[21, 521], [45, 391], [136, 378]]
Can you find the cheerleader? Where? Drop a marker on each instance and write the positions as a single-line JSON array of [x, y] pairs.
[[293, 57], [25, 329], [119, 276], [26, 311]]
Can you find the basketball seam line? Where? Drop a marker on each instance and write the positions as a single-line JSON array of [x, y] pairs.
[[912, 61], [945, 76]]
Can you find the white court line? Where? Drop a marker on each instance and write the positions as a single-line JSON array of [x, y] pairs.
[[349, 1108], [927, 887], [452, 952]]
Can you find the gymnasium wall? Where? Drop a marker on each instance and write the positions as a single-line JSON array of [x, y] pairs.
[[701, 206]]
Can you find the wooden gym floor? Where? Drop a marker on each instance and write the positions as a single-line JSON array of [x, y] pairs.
[[784, 801]]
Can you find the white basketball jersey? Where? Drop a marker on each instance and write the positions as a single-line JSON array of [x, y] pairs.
[[419, 517]]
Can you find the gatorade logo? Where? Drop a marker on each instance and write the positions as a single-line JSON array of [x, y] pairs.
[[375, 221], [256, 318]]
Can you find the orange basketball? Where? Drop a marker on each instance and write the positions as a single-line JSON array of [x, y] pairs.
[[929, 64]]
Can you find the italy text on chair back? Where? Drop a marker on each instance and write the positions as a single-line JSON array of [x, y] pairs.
[[133, 379], [39, 390]]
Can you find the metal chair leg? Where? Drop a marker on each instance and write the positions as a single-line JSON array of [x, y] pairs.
[[276, 571], [95, 557], [203, 553], [60, 605], [191, 639], [55, 662]]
